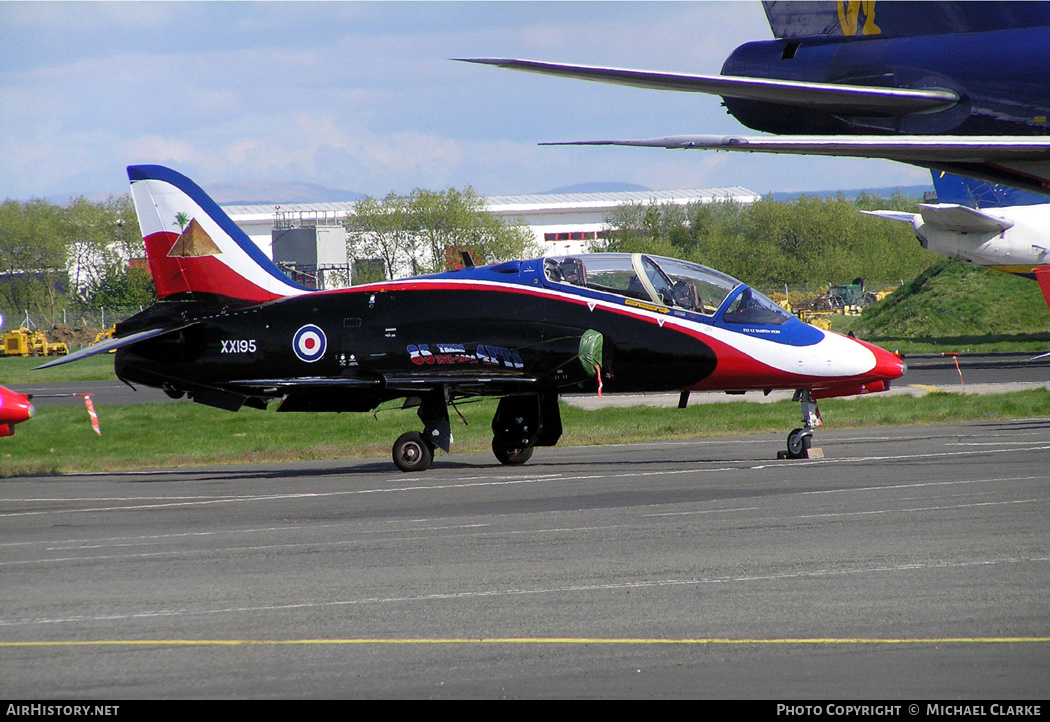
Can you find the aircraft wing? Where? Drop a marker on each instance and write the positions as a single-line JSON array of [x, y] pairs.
[[112, 344], [952, 217], [830, 97], [414, 382], [892, 215], [1021, 162], [406, 382], [313, 383]]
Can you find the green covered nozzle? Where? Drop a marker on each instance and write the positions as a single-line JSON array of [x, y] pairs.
[[591, 344]]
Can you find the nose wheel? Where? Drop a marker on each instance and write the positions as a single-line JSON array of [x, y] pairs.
[[800, 441]]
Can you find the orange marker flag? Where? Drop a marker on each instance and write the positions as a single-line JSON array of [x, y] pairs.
[[91, 412]]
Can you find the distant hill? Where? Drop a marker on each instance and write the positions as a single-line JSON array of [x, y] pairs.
[[886, 192], [596, 187], [274, 192]]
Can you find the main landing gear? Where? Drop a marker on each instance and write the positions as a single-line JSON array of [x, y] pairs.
[[521, 423], [414, 451], [800, 441]]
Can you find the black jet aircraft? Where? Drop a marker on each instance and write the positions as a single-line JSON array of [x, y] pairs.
[[231, 330], [942, 85]]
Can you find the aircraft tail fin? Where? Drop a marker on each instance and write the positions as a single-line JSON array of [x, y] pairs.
[[1042, 274], [192, 245], [981, 194], [866, 18]]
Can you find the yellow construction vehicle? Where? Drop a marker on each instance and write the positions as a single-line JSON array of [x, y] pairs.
[[24, 342]]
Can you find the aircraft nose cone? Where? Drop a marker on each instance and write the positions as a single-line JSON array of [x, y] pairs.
[[888, 366], [15, 407]]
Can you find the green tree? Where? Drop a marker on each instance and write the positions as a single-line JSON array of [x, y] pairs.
[[103, 242], [412, 234], [807, 243], [124, 286], [383, 229], [81, 254], [32, 256]]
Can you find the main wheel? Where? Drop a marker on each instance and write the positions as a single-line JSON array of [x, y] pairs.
[[799, 442], [511, 457], [412, 452]]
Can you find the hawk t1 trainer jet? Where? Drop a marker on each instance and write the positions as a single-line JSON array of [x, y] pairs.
[[231, 330]]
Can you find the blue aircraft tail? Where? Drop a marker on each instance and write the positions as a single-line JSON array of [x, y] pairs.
[[868, 18], [974, 193]]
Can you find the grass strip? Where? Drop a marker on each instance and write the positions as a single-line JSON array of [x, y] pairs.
[[60, 440], [16, 370]]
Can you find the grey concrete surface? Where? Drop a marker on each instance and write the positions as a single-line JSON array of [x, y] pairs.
[[909, 564]]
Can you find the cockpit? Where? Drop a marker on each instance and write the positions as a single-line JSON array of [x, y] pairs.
[[667, 282]]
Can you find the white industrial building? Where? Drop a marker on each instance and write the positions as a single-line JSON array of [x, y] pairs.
[[310, 236]]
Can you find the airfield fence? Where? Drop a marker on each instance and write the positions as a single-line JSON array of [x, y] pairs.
[[74, 326]]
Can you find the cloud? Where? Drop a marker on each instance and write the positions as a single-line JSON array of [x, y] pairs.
[[360, 95]]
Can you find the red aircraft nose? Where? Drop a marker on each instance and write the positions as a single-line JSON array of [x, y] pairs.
[[888, 366], [14, 409]]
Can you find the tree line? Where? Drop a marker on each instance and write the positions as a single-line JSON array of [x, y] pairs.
[[809, 242], [73, 257], [81, 255]]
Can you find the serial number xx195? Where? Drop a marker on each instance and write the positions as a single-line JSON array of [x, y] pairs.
[[238, 345]]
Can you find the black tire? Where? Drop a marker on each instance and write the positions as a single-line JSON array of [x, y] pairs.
[[412, 453], [511, 457], [799, 442]]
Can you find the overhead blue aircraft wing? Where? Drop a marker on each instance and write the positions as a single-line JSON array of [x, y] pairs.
[[1016, 161], [829, 97]]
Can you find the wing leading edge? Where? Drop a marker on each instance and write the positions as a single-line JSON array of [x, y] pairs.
[[1019, 162], [830, 97]]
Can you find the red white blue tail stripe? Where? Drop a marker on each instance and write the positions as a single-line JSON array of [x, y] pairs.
[[194, 247]]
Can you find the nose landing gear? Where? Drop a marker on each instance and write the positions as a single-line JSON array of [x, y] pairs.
[[800, 441]]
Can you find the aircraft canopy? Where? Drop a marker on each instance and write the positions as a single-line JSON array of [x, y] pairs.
[[665, 281]]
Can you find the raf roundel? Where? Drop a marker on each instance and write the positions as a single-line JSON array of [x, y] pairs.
[[309, 343]]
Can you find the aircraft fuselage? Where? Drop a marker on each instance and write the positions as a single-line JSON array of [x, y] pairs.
[[373, 343], [1001, 76]]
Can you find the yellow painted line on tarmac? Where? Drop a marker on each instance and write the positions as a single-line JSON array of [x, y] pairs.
[[523, 640], [925, 387]]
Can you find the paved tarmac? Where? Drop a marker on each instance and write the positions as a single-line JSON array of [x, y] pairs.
[[908, 564]]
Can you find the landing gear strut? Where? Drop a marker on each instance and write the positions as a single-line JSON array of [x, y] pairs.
[[414, 451], [800, 441], [522, 423]]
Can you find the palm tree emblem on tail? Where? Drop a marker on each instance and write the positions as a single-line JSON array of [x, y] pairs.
[[194, 241]]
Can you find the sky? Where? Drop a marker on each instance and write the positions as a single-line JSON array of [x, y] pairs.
[[364, 97]]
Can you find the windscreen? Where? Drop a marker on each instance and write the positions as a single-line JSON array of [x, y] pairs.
[[666, 281]]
